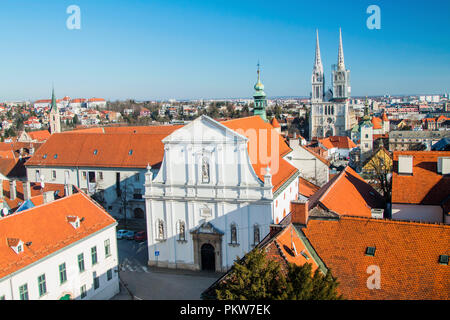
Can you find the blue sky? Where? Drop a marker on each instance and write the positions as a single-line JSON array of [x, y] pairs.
[[160, 49]]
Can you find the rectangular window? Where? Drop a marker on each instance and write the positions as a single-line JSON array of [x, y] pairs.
[[96, 281], [94, 255], [2, 297], [42, 285], [81, 262], [109, 274], [107, 248], [84, 175], [100, 175], [53, 174], [23, 291], [136, 177], [62, 273], [83, 292]]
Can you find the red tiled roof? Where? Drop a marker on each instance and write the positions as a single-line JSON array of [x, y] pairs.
[[377, 122], [314, 153], [306, 188], [261, 134], [47, 229], [340, 142], [40, 135], [406, 253], [425, 186], [348, 194]]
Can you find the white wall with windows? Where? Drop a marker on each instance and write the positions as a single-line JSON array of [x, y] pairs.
[[64, 274]]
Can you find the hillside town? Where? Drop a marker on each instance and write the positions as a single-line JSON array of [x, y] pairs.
[[105, 199]]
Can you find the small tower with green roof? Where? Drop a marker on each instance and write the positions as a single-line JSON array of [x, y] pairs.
[[260, 100], [55, 118]]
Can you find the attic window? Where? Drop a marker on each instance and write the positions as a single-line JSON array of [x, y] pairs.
[[16, 245], [95, 152], [130, 152], [370, 251], [443, 259]]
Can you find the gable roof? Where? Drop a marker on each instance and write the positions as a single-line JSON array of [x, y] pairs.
[[407, 254], [48, 231], [425, 186], [306, 188], [348, 194]]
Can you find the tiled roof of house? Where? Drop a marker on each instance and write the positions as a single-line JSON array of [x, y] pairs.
[[306, 188], [425, 186], [275, 123], [41, 135], [348, 194], [113, 150], [406, 253], [340, 142], [377, 123], [317, 155], [47, 229]]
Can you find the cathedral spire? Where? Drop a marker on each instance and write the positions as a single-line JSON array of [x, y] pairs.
[[54, 107], [318, 61], [341, 64]]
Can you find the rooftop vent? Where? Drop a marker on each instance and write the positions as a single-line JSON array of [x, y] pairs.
[[443, 259], [370, 251]]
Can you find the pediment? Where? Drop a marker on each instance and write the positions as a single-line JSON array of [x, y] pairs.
[[207, 228]]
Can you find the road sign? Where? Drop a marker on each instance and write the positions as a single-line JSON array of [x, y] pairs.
[[156, 253]]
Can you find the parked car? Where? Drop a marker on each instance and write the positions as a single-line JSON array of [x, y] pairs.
[[140, 236], [121, 234], [129, 235]]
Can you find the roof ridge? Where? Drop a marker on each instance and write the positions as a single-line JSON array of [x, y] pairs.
[[405, 222]]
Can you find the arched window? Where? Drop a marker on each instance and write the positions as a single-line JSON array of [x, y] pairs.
[[233, 233], [256, 234], [181, 231]]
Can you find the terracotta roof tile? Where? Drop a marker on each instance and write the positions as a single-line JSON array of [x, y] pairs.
[[406, 253]]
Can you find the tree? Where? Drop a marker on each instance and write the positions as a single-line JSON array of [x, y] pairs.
[[301, 286], [379, 169], [257, 277], [253, 278]]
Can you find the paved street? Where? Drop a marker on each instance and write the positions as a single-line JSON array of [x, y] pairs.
[[148, 283]]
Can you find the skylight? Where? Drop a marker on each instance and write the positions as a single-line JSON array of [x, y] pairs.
[[443, 259], [370, 251], [95, 152]]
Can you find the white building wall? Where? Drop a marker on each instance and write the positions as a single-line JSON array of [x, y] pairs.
[[9, 285], [417, 213]]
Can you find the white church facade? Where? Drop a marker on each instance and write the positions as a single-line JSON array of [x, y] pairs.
[[220, 187]]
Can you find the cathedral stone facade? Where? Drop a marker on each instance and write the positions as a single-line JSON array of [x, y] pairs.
[[329, 110]]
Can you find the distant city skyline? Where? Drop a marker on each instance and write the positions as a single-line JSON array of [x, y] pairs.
[[186, 50]]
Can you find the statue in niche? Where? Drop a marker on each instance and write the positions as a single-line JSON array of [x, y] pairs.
[[182, 232], [205, 170], [160, 229]]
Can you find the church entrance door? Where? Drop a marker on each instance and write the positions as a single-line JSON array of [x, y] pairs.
[[208, 257]]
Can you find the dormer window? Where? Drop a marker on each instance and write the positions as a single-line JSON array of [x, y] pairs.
[[16, 245], [74, 221]]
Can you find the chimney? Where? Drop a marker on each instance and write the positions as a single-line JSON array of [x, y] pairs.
[[299, 214], [49, 196], [26, 190], [405, 165], [294, 142], [443, 165], [31, 151], [12, 189], [68, 190]]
